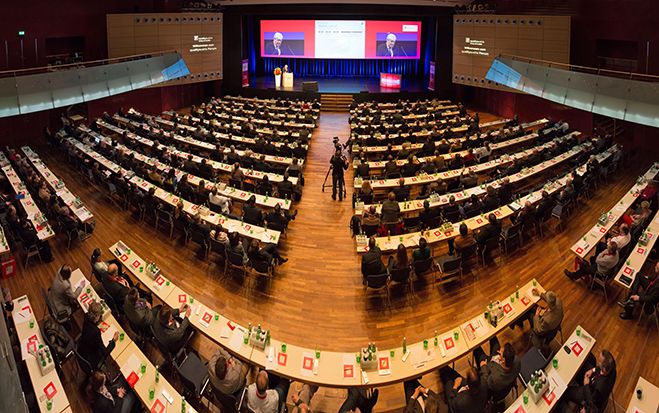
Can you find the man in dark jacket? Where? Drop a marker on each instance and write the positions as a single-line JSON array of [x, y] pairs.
[[597, 382], [372, 260], [648, 297], [464, 397], [498, 371], [170, 332]]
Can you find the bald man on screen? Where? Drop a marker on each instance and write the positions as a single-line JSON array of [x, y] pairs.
[[389, 48], [274, 48]]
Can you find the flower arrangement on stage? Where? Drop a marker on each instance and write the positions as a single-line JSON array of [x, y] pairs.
[[277, 71]]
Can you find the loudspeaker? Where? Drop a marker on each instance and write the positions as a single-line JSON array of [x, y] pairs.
[[310, 86]]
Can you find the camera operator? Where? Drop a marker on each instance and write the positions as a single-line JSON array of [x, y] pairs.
[[338, 164]]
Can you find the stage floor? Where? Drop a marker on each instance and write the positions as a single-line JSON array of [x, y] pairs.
[[341, 85]]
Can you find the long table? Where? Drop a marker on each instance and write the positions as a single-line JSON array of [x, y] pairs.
[[649, 401], [589, 240], [334, 369], [57, 186], [478, 190], [411, 240], [34, 214], [126, 354], [214, 219], [48, 386], [559, 378], [634, 263]]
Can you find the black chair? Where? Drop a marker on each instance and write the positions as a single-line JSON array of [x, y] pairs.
[[83, 364], [379, 283], [166, 217], [203, 241], [370, 229], [467, 253], [401, 276], [169, 356], [509, 234], [61, 317], [221, 250], [412, 223], [235, 260], [422, 266], [450, 269], [262, 267], [453, 216], [69, 351], [228, 402], [193, 373], [487, 247], [558, 213]]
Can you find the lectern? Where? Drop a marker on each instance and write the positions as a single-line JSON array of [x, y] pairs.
[[287, 80]]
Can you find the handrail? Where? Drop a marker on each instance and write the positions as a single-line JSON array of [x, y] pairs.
[[85, 64], [630, 75]]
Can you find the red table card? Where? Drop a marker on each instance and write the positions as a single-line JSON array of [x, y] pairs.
[[136, 263], [507, 308], [549, 398], [132, 379], [103, 326], [124, 257], [348, 371], [525, 300], [207, 317], [576, 347], [520, 409], [479, 221], [497, 212], [282, 358], [248, 227], [628, 270], [640, 250], [448, 343], [307, 363], [182, 298], [579, 250], [603, 230], [231, 325], [158, 407], [383, 363], [437, 233], [160, 281], [50, 390]]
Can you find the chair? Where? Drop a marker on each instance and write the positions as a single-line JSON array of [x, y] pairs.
[[453, 216], [262, 267], [401, 276], [601, 280], [487, 247], [379, 283], [228, 402], [370, 229], [61, 317], [83, 364], [30, 251], [166, 218], [466, 253], [558, 212], [168, 355], [203, 241], [509, 234], [193, 373], [235, 261], [412, 223], [221, 250], [69, 350], [72, 234], [422, 266], [449, 269]]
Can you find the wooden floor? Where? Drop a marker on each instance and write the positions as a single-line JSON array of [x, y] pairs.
[[317, 298]]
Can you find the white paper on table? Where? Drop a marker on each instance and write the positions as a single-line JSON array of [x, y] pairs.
[[265, 237], [419, 356], [414, 239], [131, 365], [474, 327], [23, 316], [24, 346], [225, 331], [107, 336], [236, 341]]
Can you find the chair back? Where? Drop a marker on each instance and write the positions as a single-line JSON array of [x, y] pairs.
[[452, 265], [422, 266], [367, 199], [370, 229], [62, 316], [453, 216], [261, 266], [400, 275], [228, 402], [193, 373], [235, 258], [434, 222], [199, 238], [377, 281], [468, 251], [83, 363]]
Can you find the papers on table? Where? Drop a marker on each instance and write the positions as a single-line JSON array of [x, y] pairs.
[[420, 356], [29, 346], [23, 315], [475, 328], [107, 332]]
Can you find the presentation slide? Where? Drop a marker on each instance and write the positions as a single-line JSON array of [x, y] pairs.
[[341, 39]]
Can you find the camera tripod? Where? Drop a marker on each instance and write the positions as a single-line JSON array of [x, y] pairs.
[[343, 180]]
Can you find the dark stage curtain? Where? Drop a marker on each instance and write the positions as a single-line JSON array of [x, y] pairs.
[[344, 67]]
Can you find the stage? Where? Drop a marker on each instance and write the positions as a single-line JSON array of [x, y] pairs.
[[341, 85]]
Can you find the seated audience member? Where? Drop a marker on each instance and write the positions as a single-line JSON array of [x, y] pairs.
[[423, 252], [218, 202], [265, 252], [429, 217], [262, 399], [505, 192], [116, 285], [372, 260], [169, 330], [594, 383], [365, 191], [545, 321], [363, 169], [252, 214], [604, 263], [491, 200], [390, 209], [138, 310], [545, 205], [420, 399], [399, 260], [360, 400], [117, 398], [638, 217], [489, 231], [302, 399], [451, 211], [468, 180], [464, 396], [498, 371], [472, 207], [620, 235], [370, 216], [462, 241], [390, 167], [280, 217], [236, 246], [286, 189], [649, 297], [227, 373], [26, 232], [62, 297], [401, 192], [101, 267], [264, 187], [90, 343]]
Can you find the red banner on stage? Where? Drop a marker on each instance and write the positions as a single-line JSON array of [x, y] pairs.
[[390, 80], [245, 65], [431, 80]]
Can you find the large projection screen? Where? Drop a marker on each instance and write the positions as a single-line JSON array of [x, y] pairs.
[[340, 39], [196, 36], [478, 39]]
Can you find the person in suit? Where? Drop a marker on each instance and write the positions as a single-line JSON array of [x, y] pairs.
[[390, 209], [90, 343], [116, 285], [465, 239], [451, 211], [359, 399], [389, 48], [401, 192], [171, 332], [499, 370], [276, 47], [545, 321], [429, 217], [62, 297], [597, 382], [372, 260], [489, 231], [464, 395], [251, 213], [117, 398], [649, 297], [138, 310], [420, 399]]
